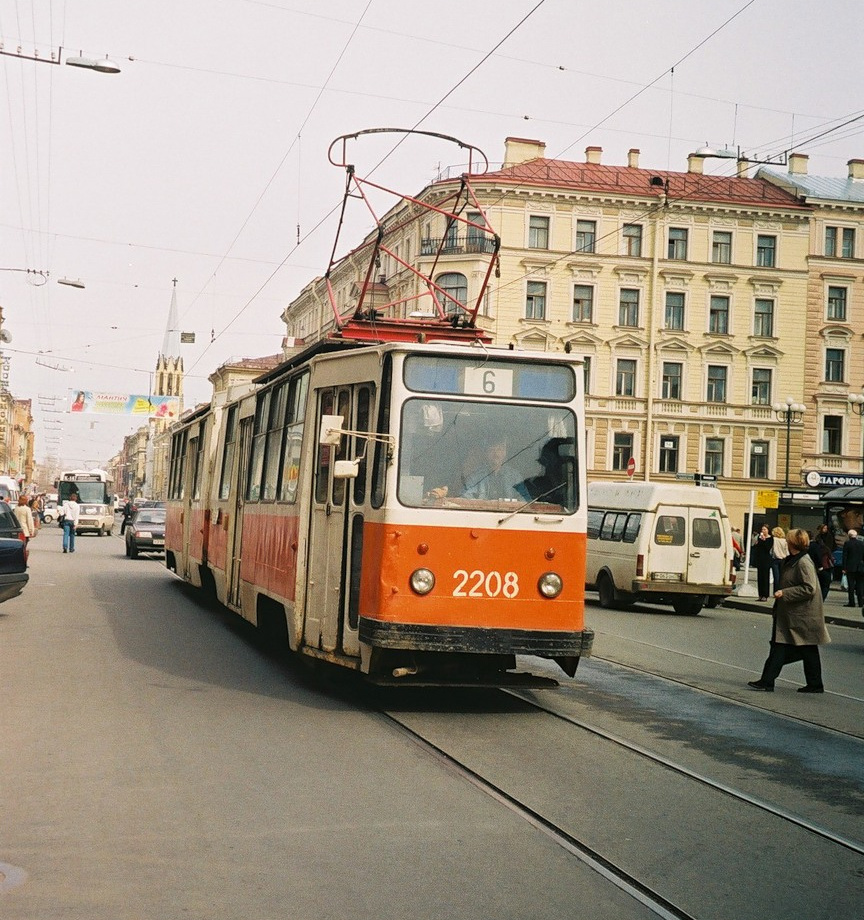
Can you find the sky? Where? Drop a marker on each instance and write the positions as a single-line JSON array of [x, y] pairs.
[[205, 158]]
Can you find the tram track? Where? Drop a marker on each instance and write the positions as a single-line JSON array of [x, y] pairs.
[[643, 894]]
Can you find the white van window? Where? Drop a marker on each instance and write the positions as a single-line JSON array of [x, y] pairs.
[[613, 525], [670, 530], [631, 531], [595, 519], [706, 533]]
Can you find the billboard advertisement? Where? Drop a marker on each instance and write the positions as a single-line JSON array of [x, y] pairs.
[[89, 401]]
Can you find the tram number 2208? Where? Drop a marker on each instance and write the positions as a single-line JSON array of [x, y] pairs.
[[485, 584]]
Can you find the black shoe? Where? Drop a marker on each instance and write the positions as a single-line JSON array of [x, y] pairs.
[[758, 685], [811, 689]]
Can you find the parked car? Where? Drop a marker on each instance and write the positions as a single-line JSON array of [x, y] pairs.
[[13, 555], [49, 512], [145, 533]]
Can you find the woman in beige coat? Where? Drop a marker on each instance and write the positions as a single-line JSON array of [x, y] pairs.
[[25, 517], [799, 623]]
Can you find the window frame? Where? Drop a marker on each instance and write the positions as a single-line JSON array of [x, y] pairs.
[[586, 235], [535, 297], [666, 381], [668, 456], [622, 450], [587, 304], [717, 383], [832, 438], [632, 241], [676, 311], [629, 308], [678, 245], [835, 357], [763, 319], [766, 385], [720, 248], [758, 460], [715, 314], [715, 466], [831, 303], [766, 253], [623, 375], [539, 231]]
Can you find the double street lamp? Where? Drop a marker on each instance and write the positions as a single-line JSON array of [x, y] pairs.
[[789, 412]]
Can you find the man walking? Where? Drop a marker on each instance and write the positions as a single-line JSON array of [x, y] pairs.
[[70, 510], [853, 568]]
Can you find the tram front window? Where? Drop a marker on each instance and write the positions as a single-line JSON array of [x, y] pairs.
[[479, 456]]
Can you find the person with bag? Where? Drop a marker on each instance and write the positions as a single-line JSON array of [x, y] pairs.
[[68, 519], [853, 569], [798, 621], [25, 517], [823, 560]]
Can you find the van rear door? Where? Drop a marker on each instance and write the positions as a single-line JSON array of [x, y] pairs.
[[689, 546]]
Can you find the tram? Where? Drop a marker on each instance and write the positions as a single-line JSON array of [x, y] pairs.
[[342, 509], [400, 498]]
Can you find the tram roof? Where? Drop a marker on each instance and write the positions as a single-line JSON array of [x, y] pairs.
[[845, 494]]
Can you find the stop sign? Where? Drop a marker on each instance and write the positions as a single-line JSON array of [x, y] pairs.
[[631, 467]]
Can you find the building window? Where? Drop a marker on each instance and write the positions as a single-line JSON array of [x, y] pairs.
[[837, 303], [586, 235], [674, 310], [451, 238], [758, 459], [721, 247], [535, 300], [677, 243], [835, 365], [846, 237], [832, 434], [622, 450], [632, 239], [583, 303], [671, 383], [763, 317], [628, 307], [538, 232], [714, 456], [718, 315], [625, 377], [761, 390], [766, 251], [716, 389], [453, 293], [669, 453]]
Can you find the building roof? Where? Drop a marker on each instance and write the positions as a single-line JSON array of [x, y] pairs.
[[629, 180], [822, 188]]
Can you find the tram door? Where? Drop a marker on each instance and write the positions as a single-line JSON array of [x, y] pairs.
[[235, 532], [336, 527]]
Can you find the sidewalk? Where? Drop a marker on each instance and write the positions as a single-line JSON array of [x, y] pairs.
[[835, 609]]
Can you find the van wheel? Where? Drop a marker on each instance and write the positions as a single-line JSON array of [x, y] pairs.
[[714, 600], [688, 606], [606, 590]]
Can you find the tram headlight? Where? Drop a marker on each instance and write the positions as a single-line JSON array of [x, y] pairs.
[[422, 581], [550, 584]]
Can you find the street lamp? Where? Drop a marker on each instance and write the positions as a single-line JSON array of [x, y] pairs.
[[101, 65], [856, 401], [789, 412]]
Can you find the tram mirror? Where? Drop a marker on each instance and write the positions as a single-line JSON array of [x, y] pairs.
[[346, 469], [331, 429]]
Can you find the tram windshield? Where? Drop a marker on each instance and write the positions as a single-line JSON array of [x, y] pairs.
[[471, 455]]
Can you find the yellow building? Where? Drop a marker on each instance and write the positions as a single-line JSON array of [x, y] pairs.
[[683, 293]]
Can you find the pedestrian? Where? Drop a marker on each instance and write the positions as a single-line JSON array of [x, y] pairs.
[[737, 548], [798, 622], [760, 553], [823, 560], [25, 517], [69, 521], [127, 516], [779, 551], [853, 568]]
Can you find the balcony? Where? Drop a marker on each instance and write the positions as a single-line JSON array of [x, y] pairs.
[[471, 243]]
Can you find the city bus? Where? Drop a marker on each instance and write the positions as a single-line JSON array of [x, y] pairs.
[[347, 509], [94, 489]]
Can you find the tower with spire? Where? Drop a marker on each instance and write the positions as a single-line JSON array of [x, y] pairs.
[[169, 365]]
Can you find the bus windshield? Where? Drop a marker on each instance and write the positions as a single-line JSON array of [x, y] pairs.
[[469, 455], [89, 493]]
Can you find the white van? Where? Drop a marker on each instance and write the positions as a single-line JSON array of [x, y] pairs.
[[662, 543]]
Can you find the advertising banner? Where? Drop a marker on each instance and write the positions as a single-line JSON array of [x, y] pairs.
[[124, 404]]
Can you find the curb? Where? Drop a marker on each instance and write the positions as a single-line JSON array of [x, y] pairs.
[[752, 606]]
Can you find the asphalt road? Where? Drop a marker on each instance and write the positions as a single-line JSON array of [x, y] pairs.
[[157, 762]]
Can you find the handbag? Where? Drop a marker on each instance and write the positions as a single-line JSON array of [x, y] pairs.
[[61, 518]]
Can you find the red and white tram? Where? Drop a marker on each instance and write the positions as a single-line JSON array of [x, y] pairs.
[[350, 508]]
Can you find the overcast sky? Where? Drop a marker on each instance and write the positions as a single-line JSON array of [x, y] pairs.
[[203, 156]]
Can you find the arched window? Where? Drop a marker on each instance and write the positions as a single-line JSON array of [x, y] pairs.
[[455, 288]]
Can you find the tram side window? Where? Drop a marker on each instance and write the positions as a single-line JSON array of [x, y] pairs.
[[325, 451], [343, 408], [706, 533], [295, 413], [177, 466], [275, 426], [195, 459], [361, 446], [670, 530], [228, 455], [259, 442]]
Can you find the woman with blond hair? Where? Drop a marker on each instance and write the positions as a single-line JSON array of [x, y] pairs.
[[779, 551], [798, 621], [25, 517]]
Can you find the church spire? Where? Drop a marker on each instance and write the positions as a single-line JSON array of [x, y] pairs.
[[171, 342]]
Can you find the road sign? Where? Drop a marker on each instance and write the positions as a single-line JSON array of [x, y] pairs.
[[631, 468]]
